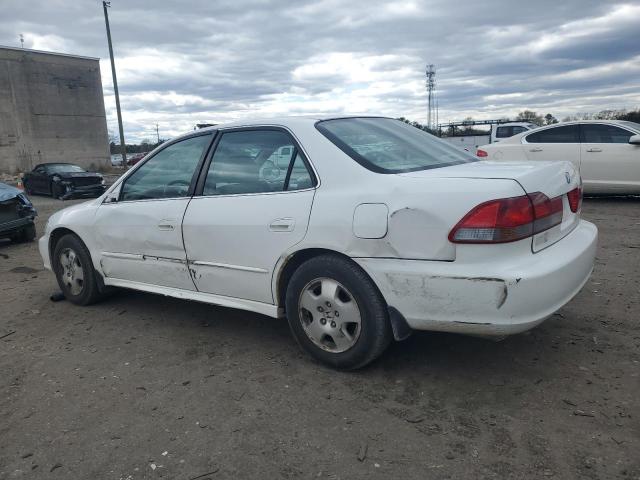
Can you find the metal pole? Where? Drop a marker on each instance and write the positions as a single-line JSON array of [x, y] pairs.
[[157, 133], [123, 146]]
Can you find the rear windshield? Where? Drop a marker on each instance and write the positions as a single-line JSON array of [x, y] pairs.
[[385, 145]]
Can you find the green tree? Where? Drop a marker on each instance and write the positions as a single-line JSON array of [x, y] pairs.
[[530, 116]]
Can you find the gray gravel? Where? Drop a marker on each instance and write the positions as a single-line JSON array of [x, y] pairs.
[[142, 386]]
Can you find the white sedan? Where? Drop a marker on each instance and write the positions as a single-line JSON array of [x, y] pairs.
[[357, 229], [606, 152]]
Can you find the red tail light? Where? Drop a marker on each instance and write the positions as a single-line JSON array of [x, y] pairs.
[[575, 199], [481, 153], [508, 219]]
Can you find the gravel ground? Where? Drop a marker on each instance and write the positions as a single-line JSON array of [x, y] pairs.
[[142, 386]]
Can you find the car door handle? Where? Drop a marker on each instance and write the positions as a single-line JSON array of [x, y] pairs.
[[594, 150], [282, 225], [166, 225], [537, 149]]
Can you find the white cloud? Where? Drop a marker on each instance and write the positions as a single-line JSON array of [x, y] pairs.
[[183, 63]]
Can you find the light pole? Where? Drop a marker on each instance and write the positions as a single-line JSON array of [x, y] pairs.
[[123, 146]]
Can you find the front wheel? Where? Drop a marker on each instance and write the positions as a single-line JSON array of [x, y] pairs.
[[74, 271], [336, 312], [57, 190]]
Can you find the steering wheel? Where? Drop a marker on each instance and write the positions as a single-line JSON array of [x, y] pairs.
[[183, 182]]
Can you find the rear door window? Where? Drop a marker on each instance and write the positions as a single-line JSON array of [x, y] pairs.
[[601, 133], [256, 161]]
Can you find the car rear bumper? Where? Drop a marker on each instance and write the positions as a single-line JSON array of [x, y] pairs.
[[487, 298]]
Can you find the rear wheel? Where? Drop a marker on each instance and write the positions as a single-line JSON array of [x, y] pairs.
[[74, 271], [336, 312]]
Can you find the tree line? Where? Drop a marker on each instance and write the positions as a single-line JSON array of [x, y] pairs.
[[142, 147], [529, 116]]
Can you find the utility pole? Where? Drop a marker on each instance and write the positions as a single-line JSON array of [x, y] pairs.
[[123, 146], [431, 86], [157, 133]]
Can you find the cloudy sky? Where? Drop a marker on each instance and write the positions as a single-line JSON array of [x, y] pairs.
[[185, 62]]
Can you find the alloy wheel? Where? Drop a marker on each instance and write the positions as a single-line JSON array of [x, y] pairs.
[[72, 271], [329, 315]]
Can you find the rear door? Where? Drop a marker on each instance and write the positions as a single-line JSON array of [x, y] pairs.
[[253, 205], [558, 143], [609, 163]]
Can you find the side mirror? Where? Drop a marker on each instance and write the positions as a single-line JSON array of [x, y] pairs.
[[634, 140], [112, 197]]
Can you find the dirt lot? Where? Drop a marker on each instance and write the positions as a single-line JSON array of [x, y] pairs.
[[142, 386]]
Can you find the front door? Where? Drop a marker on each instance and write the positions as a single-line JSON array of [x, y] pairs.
[[254, 204], [609, 163], [139, 235], [38, 180]]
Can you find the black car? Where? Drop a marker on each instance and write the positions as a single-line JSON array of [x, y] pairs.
[[16, 215], [63, 180]]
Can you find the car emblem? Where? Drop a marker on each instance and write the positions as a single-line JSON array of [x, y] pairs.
[[567, 176]]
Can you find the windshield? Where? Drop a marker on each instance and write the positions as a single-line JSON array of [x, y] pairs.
[[385, 145], [64, 167]]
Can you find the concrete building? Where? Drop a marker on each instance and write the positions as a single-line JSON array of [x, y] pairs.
[[51, 110]]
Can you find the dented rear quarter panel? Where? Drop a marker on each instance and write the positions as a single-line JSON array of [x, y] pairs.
[[422, 209]]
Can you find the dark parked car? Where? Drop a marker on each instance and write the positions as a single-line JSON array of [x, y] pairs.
[[63, 180], [16, 215]]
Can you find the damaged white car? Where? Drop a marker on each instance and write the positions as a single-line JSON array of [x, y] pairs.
[[357, 229]]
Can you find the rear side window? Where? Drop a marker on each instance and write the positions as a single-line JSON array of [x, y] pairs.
[[504, 132], [256, 161], [509, 131], [599, 133], [385, 145], [566, 134]]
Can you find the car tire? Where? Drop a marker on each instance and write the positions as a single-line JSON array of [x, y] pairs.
[[319, 290], [74, 271], [56, 191]]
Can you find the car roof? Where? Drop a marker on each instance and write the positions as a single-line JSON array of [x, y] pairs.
[[574, 122], [284, 121]]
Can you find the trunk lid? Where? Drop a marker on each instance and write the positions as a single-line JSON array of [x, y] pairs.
[[554, 179]]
